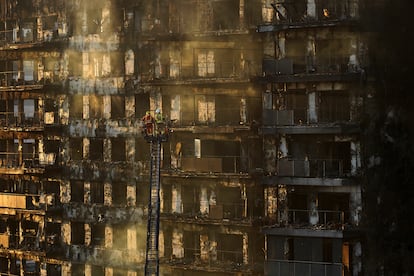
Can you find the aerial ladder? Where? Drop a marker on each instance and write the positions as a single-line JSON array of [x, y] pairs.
[[155, 132]]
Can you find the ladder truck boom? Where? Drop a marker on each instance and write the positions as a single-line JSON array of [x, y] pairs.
[[155, 132]]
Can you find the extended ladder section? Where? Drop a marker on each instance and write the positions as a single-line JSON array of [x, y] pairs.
[[152, 257]]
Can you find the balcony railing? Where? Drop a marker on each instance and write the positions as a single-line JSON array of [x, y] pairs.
[[21, 119], [314, 167], [301, 117], [218, 164], [27, 201], [334, 219], [307, 65], [302, 268], [10, 160]]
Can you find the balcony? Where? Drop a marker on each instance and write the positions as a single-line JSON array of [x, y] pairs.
[[297, 121], [296, 14], [215, 164], [306, 218], [320, 168], [27, 201], [20, 163], [302, 268], [21, 119]]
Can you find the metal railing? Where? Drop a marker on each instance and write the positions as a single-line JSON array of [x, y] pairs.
[[320, 217], [223, 164], [302, 268], [297, 117], [21, 119], [314, 167]]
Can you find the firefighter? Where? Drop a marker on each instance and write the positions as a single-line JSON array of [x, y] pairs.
[[160, 122], [148, 122]]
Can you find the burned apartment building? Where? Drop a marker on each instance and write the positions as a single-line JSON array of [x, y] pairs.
[[312, 107], [261, 174]]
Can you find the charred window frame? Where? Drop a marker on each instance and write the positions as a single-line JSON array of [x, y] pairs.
[[118, 149], [95, 106], [142, 104], [76, 191], [76, 148], [97, 192], [75, 64], [120, 237], [96, 149], [226, 14], [117, 107], [334, 106], [142, 151], [97, 270], [76, 106], [77, 233], [227, 110], [98, 234], [229, 247], [119, 193]]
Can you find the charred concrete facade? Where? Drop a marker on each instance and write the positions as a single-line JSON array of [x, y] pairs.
[[261, 174], [313, 69]]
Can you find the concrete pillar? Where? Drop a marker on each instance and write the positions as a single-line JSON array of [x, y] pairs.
[[270, 154], [161, 244], [241, 14], [129, 62], [310, 54], [87, 192], [109, 271], [355, 205], [313, 208], [281, 43], [43, 269], [88, 234], [353, 63], [355, 157], [282, 205], [177, 204], [64, 191], [311, 9], [132, 238], [66, 232], [85, 145], [130, 149], [108, 236], [312, 109], [131, 194], [271, 203], [107, 150], [267, 11], [177, 244], [66, 269], [204, 204], [130, 106], [107, 106], [88, 270], [107, 194], [245, 248], [85, 107]]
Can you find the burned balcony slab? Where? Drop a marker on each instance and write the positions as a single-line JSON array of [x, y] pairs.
[[311, 77], [303, 232], [286, 26], [312, 129], [307, 181]]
